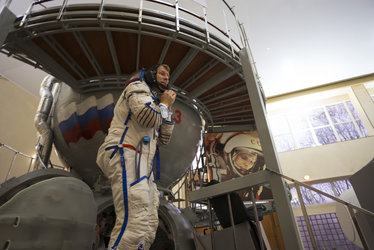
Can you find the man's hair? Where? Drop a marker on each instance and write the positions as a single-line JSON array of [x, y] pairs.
[[136, 74], [165, 66]]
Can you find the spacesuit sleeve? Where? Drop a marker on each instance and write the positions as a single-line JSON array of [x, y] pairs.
[[165, 132], [142, 106]]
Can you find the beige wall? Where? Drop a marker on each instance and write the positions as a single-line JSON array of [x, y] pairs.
[[17, 111], [336, 159], [330, 160]]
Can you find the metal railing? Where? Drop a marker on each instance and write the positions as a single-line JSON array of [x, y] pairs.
[[235, 36], [226, 36], [266, 174], [16, 153], [176, 5], [351, 208], [31, 167]]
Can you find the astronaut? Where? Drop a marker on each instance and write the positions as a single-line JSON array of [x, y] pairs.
[[233, 155], [129, 156], [243, 154]]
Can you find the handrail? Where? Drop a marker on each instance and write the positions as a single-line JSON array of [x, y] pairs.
[[251, 178], [16, 153], [365, 211], [176, 6], [14, 150], [32, 160], [198, 17], [28, 11], [305, 215]]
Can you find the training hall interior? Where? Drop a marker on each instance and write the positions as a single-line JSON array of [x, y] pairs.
[[312, 64]]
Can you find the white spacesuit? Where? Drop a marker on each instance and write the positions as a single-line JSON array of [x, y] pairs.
[[128, 157]]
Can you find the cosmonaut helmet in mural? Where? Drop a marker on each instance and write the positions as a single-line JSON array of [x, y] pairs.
[[243, 154]]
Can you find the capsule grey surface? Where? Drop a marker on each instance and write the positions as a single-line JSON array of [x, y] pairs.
[[81, 121]]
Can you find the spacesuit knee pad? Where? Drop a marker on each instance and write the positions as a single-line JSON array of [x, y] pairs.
[[139, 194], [138, 213]]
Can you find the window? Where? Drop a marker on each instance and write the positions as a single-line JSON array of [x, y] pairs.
[[316, 126], [326, 229], [333, 188], [327, 233]]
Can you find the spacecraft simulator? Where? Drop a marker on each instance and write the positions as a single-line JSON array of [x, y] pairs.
[[90, 50]]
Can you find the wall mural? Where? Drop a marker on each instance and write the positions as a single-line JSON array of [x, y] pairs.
[[235, 154]]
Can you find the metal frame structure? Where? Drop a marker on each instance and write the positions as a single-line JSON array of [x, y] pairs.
[[38, 39], [42, 39]]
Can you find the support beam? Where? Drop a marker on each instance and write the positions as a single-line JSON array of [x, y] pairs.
[[246, 107], [191, 54], [200, 72], [164, 51], [88, 52], [7, 18], [51, 66], [138, 48], [230, 186], [234, 120], [236, 99], [219, 107], [229, 112], [286, 218], [236, 87], [113, 52], [230, 128], [235, 92], [212, 82], [64, 55]]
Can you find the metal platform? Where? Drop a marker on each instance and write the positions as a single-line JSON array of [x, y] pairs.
[[93, 47]]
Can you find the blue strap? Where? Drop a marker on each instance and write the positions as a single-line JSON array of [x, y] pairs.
[[125, 200], [116, 148], [123, 135], [128, 118], [158, 163], [149, 106], [125, 131], [139, 180], [141, 75], [156, 160], [156, 99]]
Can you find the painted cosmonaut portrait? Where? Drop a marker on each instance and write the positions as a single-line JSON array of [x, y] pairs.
[[235, 154]]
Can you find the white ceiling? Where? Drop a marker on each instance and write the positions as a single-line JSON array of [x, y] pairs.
[[299, 43], [296, 44]]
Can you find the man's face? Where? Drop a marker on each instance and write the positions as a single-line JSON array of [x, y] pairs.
[[245, 160], [162, 76]]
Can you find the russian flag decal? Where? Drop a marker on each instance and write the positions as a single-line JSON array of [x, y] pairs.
[[86, 118]]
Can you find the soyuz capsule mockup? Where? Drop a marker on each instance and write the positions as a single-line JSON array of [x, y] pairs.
[[74, 210]]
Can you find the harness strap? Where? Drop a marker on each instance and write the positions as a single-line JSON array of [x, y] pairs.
[[156, 161], [119, 148], [125, 199]]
